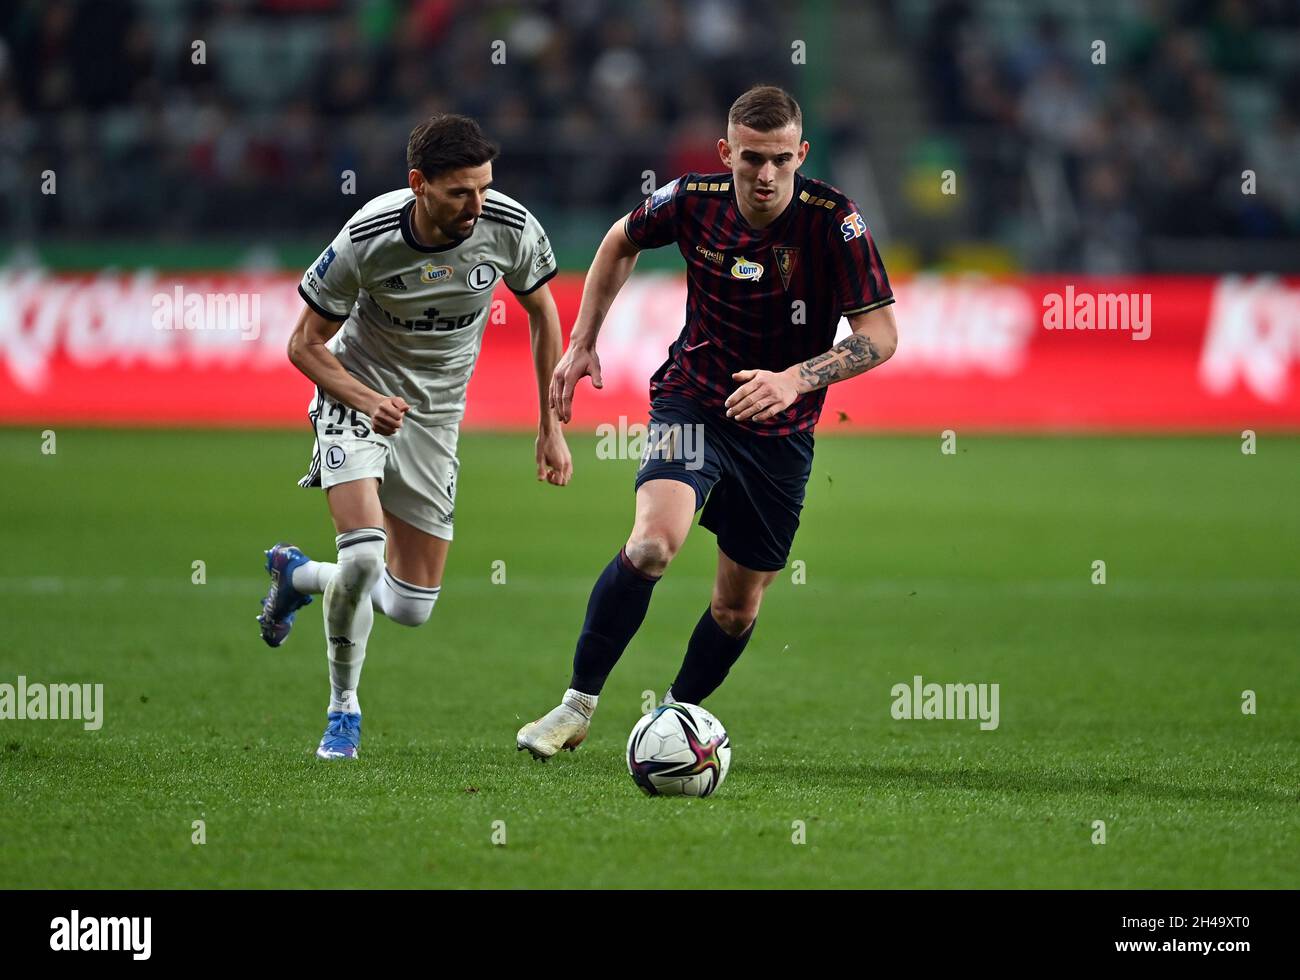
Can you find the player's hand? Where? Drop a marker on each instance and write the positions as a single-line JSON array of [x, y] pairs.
[[554, 463], [386, 414], [763, 394], [576, 364]]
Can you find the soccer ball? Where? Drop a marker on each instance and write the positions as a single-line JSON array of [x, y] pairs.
[[678, 750]]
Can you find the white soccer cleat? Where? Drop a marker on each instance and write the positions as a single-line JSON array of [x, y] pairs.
[[562, 727]]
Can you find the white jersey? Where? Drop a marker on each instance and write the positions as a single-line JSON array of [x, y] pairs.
[[415, 314]]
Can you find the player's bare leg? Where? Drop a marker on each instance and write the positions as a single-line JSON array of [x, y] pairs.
[[618, 604], [412, 580], [722, 632]]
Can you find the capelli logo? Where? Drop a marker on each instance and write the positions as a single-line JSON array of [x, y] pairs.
[[103, 933]]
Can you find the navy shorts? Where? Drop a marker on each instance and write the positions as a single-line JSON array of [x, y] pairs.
[[750, 486]]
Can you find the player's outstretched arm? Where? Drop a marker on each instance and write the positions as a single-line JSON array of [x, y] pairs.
[[554, 462], [308, 353], [609, 270], [767, 393]]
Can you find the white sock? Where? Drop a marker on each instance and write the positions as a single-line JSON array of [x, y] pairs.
[[348, 612], [584, 704], [311, 577], [345, 701], [403, 602]]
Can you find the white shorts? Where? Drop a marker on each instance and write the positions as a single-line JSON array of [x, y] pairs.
[[416, 466]]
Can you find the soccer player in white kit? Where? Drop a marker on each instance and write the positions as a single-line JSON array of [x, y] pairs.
[[393, 318]]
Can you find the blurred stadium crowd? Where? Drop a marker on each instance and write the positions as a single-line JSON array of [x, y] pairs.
[[1135, 164], [1152, 145]]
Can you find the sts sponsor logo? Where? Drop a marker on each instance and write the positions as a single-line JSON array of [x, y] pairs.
[[545, 255], [853, 227]]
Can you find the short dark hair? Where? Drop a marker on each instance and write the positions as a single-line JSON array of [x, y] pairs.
[[765, 108], [448, 142]]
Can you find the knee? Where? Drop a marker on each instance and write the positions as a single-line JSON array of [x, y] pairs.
[[360, 565], [735, 614], [404, 603], [651, 550], [411, 612]]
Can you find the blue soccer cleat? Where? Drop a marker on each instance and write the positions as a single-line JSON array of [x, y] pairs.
[[342, 737], [283, 600]]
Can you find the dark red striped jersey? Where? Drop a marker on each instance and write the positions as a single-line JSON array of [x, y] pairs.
[[765, 298]]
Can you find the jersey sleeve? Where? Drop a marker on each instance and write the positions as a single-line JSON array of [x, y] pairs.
[[861, 284], [536, 260], [330, 285], [654, 222]]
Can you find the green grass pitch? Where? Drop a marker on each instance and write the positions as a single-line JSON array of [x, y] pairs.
[[1119, 702]]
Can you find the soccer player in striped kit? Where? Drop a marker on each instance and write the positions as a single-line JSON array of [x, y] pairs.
[[774, 260]]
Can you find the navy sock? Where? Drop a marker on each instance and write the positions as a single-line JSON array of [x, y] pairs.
[[709, 656], [615, 610]]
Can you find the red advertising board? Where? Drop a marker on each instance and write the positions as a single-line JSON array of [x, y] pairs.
[[1024, 354]]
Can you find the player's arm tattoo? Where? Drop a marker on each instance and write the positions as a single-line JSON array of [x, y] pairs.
[[851, 356]]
